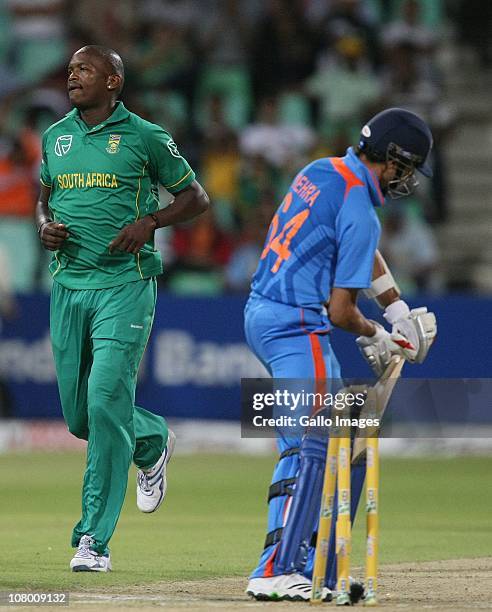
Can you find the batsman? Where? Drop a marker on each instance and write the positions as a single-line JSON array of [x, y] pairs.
[[320, 251]]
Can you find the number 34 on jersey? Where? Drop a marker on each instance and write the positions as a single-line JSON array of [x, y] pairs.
[[281, 232]]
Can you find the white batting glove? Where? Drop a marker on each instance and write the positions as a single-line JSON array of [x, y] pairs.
[[412, 330], [377, 350]]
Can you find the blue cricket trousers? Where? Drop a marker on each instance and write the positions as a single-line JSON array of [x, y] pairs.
[[291, 343]]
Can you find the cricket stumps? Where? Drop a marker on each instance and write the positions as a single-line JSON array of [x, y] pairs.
[[337, 485], [372, 518]]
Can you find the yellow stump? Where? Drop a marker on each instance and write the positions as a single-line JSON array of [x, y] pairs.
[[325, 518], [372, 516], [343, 529]]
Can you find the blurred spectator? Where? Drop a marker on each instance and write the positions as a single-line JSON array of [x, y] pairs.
[[431, 10], [30, 143], [474, 20], [283, 48], [344, 85], [180, 13], [47, 103], [38, 37], [407, 86], [225, 41], [221, 164], [410, 249], [259, 181], [162, 55], [276, 142], [18, 158], [118, 26], [272, 153], [216, 128], [8, 306], [16, 188], [162, 68], [351, 18], [411, 30], [8, 310], [201, 250], [244, 259]]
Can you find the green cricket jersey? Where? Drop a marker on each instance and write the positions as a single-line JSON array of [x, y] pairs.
[[103, 178]]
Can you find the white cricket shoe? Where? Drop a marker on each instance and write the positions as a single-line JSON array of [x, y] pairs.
[[152, 484], [287, 587], [87, 560]]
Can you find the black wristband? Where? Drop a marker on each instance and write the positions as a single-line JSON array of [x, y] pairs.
[[155, 218]]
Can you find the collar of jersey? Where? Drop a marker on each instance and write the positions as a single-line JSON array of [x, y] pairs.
[[120, 113], [366, 175]]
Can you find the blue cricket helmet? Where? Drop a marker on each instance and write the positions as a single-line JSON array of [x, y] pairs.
[[400, 127]]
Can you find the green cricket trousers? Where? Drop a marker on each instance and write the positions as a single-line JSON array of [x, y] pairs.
[[98, 338]]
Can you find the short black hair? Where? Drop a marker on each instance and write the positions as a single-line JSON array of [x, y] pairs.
[[110, 56]]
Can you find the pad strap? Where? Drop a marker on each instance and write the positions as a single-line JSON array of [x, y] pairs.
[[273, 537], [282, 487], [289, 452]]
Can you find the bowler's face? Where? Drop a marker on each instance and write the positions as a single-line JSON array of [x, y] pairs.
[[87, 80]]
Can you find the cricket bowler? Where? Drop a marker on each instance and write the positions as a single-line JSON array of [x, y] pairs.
[[320, 251], [97, 212]]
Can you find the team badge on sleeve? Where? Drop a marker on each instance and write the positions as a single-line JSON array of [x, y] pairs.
[[63, 144], [173, 149], [113, 143]]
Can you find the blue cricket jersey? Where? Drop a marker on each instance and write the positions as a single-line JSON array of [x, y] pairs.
[[323, 235]]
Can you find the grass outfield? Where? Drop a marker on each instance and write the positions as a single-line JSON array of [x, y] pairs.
[[213, 521]]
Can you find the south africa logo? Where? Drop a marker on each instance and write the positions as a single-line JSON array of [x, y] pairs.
[[113, 143], [63, 144]]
